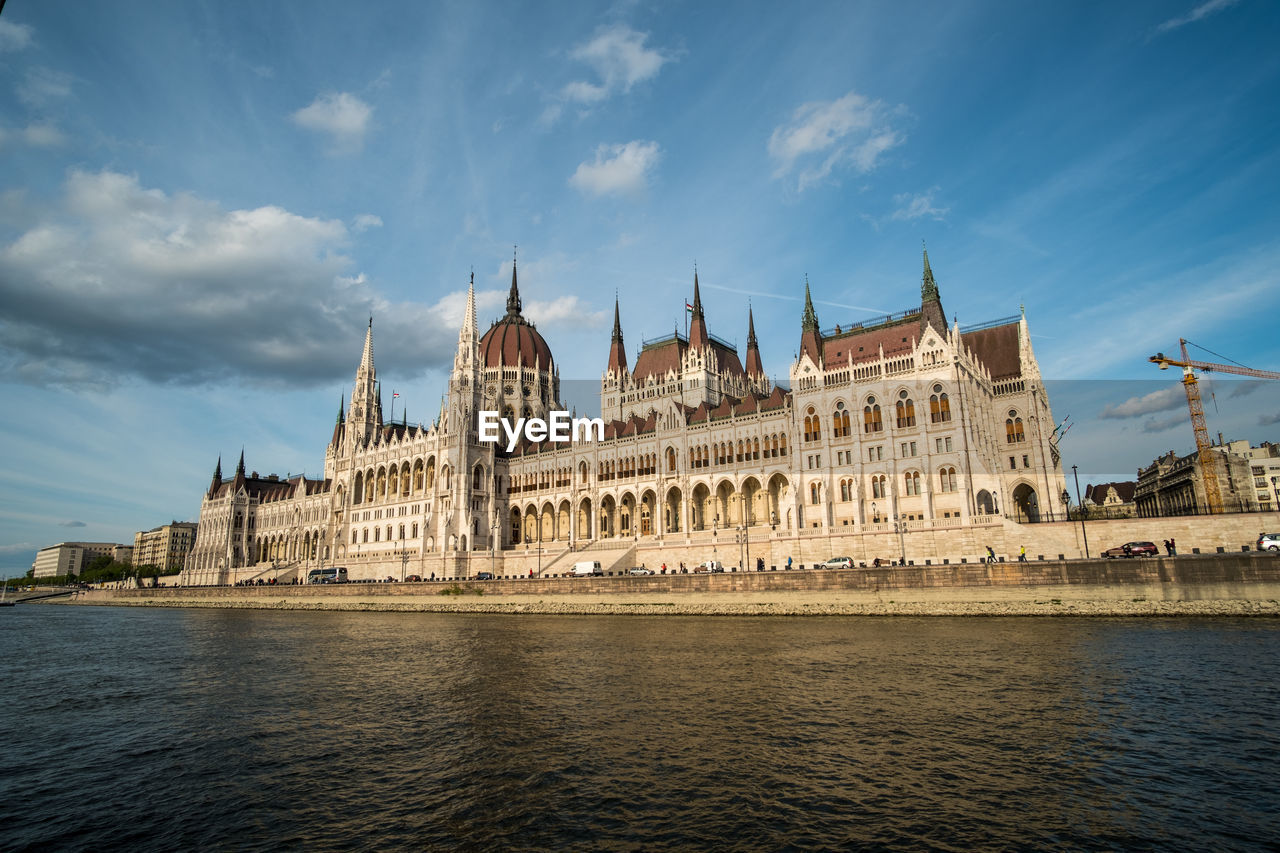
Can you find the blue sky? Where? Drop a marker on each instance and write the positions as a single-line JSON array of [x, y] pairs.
[[201, 205]]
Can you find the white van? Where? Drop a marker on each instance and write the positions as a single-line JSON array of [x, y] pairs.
[[588, 568]]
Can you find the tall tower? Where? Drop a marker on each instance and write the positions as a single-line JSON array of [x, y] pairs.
[[364, 417], [464, 517]]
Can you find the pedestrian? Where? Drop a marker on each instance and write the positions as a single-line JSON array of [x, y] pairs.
[[991, 554], [875, 564], [1022, 555], [788, 563], [531, 573], [433, 575], [759, 564], [1170, 548]]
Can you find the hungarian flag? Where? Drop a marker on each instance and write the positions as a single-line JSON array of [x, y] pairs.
[[394, 394], [688, 308]]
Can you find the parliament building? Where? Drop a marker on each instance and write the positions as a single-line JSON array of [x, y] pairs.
[[904, 432]]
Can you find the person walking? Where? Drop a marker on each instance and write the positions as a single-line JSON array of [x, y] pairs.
[[788, 563], [991, 554], [1170, 547], [1022, 555]]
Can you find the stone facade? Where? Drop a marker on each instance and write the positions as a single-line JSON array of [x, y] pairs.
[[903, 426], [1174, 485], [70, 558]]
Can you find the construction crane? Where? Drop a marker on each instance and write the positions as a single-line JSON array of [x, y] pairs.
[[1213, 495]]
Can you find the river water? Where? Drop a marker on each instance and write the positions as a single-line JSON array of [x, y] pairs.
[[178, 729]]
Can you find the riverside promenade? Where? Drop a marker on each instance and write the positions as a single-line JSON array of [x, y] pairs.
[[1213, 585]]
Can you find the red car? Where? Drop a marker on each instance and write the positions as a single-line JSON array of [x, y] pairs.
[[1132, 549]]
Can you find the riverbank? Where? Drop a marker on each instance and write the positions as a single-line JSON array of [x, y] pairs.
[[1210, 585]]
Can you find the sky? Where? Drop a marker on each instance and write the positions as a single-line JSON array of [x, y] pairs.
[[202, 205]]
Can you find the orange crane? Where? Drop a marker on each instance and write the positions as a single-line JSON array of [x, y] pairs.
[[1213, 495]]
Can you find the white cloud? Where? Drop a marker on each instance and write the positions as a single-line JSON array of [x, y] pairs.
[[1163, 400], [1202, 11], [341, 115], [617, 169], [564, 311], [621, 60], [365, 221], [43, 136], [14, 36], [910, 207], [41, 85], [852, 130], [119, 280], [1154, 425]]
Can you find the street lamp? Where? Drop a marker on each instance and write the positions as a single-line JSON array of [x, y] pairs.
[[1083, 532], [900, 527]]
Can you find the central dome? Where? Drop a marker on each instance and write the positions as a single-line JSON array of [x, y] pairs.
[[513, 340]]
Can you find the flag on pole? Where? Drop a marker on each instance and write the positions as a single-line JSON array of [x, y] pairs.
[[688, 308], [394, 394]]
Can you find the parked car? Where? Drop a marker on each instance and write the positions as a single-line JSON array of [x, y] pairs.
[[640, 570], [838, 563], [1269, 541], [413, 579], [484, 576], [1132, 549]]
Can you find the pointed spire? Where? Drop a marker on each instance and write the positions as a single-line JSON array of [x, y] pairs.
[[928, 286], [809, 322], [931, 313], [217, 471], [240, 464], [810, 335], [513, 298], [698, 324], [617, 352], [754, 365], [366, 357], [342, 402]]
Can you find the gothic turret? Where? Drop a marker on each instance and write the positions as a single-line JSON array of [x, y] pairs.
[[755, 369], [810, 336], [217, 477], [931, 312], [617, 352], [364, 416], [698, 325]]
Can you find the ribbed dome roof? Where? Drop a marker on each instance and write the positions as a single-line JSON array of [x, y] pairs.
[[513, 339]]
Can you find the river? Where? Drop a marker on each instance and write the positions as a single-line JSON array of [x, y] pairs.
[[171, 729]]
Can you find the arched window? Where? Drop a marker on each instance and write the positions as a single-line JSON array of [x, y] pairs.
[[813, 493], [476, 473], [782, 447], [906, 410], [354, 534], [415, 530], [878, 484], [755, 453], [939, 406], [840, 421], [376, 533], [402, 531], [871, 420], [671, 460], [911, 482], [947, 480], [812, 426], [1013, 428], [844, 490]]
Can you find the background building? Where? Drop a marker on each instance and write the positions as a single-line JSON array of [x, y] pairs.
[[1111, 500], [1174, 485], [166, 546], [70, 558]]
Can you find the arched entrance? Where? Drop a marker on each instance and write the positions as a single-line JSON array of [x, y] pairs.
[[1026, 505]]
